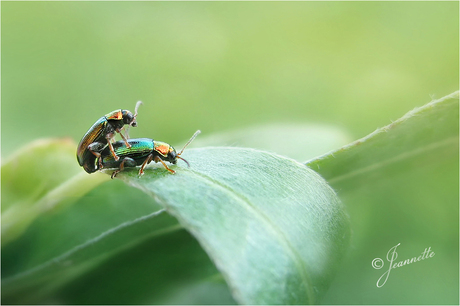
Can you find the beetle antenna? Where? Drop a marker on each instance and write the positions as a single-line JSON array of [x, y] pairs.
[[183, 160], [135, 115], [188, 142], [136, 108]]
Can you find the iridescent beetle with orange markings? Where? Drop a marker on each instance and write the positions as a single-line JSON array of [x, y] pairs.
[[141, 152], [101, 135]]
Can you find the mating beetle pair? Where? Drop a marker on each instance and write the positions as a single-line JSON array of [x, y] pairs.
[[96, 150]]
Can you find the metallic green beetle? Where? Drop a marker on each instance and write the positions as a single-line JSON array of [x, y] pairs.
[[101, 135], [140, 152]]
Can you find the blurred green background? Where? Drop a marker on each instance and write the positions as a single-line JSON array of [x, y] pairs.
[[221, 66]]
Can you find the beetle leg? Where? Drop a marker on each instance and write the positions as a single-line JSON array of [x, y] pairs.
[[120, 168], [109, 142], [97, 154], [126, 162], [157, 159], [98, 158], [113, 152], [122, 136], [145, 163], [96, 148], [126, 131], [114, 174]]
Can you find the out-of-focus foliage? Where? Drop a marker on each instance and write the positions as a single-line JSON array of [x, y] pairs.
[[220, 65]]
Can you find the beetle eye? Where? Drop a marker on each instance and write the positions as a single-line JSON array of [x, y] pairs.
[[172, 156], [128, 118]]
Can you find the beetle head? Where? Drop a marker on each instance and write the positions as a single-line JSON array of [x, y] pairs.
[[130, 118], [172, 155]]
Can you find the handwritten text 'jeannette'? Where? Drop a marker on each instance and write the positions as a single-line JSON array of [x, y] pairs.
[[378, 263]]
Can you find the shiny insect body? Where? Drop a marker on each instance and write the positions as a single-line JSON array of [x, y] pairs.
[[101, 135], [141, 152]]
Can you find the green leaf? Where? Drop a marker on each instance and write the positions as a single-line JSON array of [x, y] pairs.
[[41, 177], [64, 244], [430, 130], [274, 229], [45, 277], [166, 269]]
